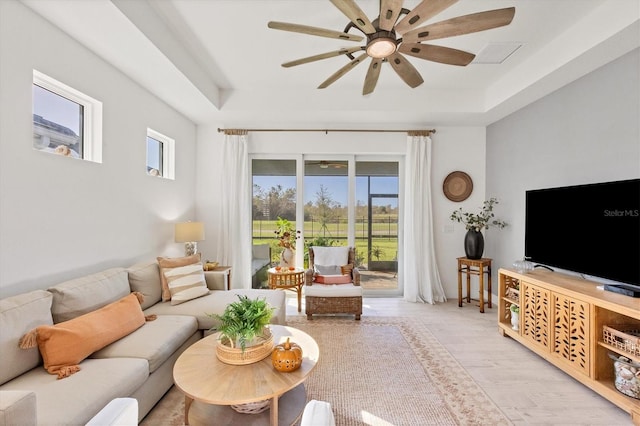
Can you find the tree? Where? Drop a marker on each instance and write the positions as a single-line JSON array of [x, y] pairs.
[[277, 202], [325, 208]]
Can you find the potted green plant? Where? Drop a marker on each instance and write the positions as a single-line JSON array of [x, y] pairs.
[[474, 223], [243, 321]]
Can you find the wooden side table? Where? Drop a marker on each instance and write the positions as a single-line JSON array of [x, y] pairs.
[[287, 279], [474, 267]]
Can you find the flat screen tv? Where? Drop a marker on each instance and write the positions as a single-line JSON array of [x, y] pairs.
[[589, 229]]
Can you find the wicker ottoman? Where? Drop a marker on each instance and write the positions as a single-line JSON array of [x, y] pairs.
[[333, 299]]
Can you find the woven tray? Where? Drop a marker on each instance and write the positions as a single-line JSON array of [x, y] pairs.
[[251, 354], [624, 337]]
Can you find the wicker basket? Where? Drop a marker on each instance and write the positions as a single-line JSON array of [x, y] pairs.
[[627, 376], [252, 407], [251, 354], [623, 337]]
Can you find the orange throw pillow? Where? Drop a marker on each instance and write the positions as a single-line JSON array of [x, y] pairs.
[[167, 262], [64, 345]]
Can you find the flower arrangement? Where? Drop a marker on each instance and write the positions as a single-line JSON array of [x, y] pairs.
[[480, 221], [285, 234]]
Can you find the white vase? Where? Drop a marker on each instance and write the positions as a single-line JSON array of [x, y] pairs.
[[287, 258], [515, 320]]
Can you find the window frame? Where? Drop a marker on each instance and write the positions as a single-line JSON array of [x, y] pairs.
[[91, 117], [167, 153]]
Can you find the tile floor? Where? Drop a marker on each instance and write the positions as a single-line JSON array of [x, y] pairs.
[[527, 389]]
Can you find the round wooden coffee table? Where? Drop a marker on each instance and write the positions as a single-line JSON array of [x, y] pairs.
[[211, 386]]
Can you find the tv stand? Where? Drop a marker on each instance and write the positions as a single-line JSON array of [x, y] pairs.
[[561, 319]]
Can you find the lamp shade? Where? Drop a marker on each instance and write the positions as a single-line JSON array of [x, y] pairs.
[[189, 231]]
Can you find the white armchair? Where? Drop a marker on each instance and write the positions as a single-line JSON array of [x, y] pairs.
[[332, 282]]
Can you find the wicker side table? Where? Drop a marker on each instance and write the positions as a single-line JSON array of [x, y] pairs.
[[287, 279]]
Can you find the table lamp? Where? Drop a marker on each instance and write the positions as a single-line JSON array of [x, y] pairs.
[[189, 233]]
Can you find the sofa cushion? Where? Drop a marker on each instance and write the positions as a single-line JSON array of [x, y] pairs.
[[64, 345], [86, 294], [18, 315], [216, 302], [155, 342], [185, 282], [167, 262], [333, 290], [332, 279], [144, 277], [76, 399]]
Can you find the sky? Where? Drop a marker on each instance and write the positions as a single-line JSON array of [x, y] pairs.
[[53, 107]]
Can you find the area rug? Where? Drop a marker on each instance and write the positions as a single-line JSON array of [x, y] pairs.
[[378, 371]]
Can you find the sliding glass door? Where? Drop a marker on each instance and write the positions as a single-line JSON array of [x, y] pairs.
[[346, 200]]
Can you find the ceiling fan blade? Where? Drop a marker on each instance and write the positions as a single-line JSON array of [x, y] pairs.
[[342, 71], [423, 11], [305, 29], [462, 25], [405, 70], [389, 12], [371, 79], [321, 56], [355, 15], [444, 55]]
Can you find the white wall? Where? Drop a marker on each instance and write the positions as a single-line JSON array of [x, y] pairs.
[[59, 217], [585, 132], [459, 148]]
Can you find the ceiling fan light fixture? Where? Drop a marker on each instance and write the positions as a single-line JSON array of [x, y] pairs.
[[381, 45]]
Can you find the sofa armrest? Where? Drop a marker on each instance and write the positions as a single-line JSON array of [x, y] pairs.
[[18, 408], [118, 412], [217, 280]]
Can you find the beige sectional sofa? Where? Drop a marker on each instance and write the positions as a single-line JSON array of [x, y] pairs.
[[138, 365]]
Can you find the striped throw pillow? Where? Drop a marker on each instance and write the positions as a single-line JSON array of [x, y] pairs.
[[185, 282]]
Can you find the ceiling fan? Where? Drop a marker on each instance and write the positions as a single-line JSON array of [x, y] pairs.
[[327, 164], [384, 44]]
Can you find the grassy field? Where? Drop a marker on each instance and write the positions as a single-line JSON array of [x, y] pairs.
[[384, 241], [382, 226]]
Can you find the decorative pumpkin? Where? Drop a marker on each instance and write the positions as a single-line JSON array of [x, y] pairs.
[[286, 356]]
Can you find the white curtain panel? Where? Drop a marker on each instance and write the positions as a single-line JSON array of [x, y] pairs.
[[234, 242], [421, 278]]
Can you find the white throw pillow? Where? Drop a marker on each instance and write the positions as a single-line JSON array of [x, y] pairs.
[[185, 282]]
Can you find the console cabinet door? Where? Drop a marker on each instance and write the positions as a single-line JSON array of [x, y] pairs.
[[571, 332], [536, 319]]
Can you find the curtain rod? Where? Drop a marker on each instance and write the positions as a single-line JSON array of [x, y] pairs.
[[428, 131]]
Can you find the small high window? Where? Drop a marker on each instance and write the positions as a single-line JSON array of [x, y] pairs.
[[65, 121], [160, 155]]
